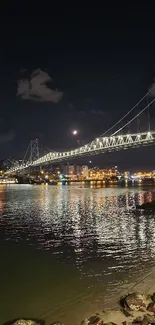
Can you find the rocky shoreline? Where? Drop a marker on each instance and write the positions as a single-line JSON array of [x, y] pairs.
[[135, 309]]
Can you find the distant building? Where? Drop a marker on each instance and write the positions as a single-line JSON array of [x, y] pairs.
[[85, 171], [75, 171], [68, 170], [127, 174], [78, 169], [71, 170], [100, 174]]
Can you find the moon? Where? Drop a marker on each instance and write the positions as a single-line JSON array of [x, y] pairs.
[[75, 132]]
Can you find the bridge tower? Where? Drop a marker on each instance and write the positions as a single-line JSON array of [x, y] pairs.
[[34, 151]]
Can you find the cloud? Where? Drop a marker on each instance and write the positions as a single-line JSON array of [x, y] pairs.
[[37, 88], [81, 142], [94, 111], [7, 136]]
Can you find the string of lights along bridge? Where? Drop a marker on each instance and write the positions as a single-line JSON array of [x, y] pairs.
[[111, 140]]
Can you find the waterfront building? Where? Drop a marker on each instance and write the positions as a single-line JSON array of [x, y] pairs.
[[126, 174], [100, 174], [68, 170], [84, 171], [75, 171]]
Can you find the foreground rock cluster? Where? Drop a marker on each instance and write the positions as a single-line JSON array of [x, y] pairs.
[[30, 322], [135, 309], [24, 322]]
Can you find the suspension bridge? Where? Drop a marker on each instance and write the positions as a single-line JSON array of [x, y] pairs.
[[121, 139]]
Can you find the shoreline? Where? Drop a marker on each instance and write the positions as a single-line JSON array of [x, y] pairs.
[[114, 312]]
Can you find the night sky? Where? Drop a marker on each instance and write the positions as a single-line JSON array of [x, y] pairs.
[[98, 63]]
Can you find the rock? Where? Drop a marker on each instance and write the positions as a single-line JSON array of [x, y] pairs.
[[126, 312], [25, 322], [84, 322], [151, 307], [142, 309], [138, 319], [110, 323], [95, 320], [153, 297], [137, 301], [148, 319], [151, 318], [147, 206], [122, 301], [145, 320], [57, 323]]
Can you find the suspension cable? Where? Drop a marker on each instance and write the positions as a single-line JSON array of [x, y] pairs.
[[128, 112], [148, 115], [134, 117], [26, 152]]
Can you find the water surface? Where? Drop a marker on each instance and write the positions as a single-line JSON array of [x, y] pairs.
[[68, 252]]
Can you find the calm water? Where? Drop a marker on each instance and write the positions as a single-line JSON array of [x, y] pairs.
[[69, 252]]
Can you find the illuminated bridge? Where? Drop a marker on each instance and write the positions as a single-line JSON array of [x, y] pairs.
[[103, 144]]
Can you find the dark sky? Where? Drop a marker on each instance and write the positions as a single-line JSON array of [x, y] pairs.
[[102, 59]]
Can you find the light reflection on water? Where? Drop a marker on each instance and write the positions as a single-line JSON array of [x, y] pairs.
[[67, 250]]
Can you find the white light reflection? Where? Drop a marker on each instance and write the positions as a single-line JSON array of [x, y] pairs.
[[82, 224]]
